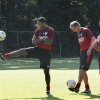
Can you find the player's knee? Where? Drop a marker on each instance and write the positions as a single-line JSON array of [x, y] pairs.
[[46, 71], [23, 51]]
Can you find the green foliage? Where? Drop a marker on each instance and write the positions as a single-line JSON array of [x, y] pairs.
[[59, 13], [20, 14]]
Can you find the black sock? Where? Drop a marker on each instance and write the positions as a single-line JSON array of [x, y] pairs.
[[47, 77]]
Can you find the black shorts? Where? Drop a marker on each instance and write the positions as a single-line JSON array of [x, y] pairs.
[[85, 61], [44, 56]]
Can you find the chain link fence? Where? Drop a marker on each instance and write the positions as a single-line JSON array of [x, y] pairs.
[[65, 43]]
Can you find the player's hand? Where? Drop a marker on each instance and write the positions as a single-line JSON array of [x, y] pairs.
[[89, 52], [95, 45], [45, 38]]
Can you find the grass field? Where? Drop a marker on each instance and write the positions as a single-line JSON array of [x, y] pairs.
[[22, 79]]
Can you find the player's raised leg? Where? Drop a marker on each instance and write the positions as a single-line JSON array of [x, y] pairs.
[[30, 51], [15, 53], [83, 76], [80, 77]]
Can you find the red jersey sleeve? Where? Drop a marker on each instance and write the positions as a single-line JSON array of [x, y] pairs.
[[88, 33], [51, 33], [36, 33]]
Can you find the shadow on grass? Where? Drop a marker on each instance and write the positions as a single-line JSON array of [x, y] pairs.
[[50, 97], [32, 63], [91, 96]]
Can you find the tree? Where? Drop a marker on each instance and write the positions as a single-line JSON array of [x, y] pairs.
[[2, 14], [20, 13], [59, 13]]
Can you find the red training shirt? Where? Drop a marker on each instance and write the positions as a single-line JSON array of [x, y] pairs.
[[48, 32], [84, 38]]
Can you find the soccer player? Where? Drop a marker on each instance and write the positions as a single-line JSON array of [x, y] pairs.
[[96, 46], [42, 40], [85, 38]]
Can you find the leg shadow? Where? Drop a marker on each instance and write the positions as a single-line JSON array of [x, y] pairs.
[[49, 97], [92, 96]]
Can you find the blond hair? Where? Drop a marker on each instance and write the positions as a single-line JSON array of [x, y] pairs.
[[75, 24]]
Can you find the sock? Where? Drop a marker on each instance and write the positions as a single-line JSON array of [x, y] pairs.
[[7, 55], [87, 87], [78, 85], [47, 79], [48, 88]]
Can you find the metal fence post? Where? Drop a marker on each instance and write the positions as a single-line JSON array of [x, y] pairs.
[[60, 50], [17, 38]]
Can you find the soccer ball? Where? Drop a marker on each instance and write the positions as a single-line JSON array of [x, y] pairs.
[[2, 35], [71, 83]]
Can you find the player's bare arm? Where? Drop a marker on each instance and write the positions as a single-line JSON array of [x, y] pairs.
[[47, 42], [91, 46], [36, 40], [95, 45]]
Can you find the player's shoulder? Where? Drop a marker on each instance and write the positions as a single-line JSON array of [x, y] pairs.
[[37, 30], [50, 28], [85, 29]]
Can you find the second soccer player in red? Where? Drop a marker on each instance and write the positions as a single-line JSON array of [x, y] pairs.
[[85, 38]]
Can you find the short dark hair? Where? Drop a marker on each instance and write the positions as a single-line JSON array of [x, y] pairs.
[[41, 19], [75, 23]]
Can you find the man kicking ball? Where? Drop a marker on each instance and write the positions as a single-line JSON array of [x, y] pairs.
[[42, 40]]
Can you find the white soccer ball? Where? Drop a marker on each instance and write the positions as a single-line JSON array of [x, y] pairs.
[[2, 35], [71, 83]]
